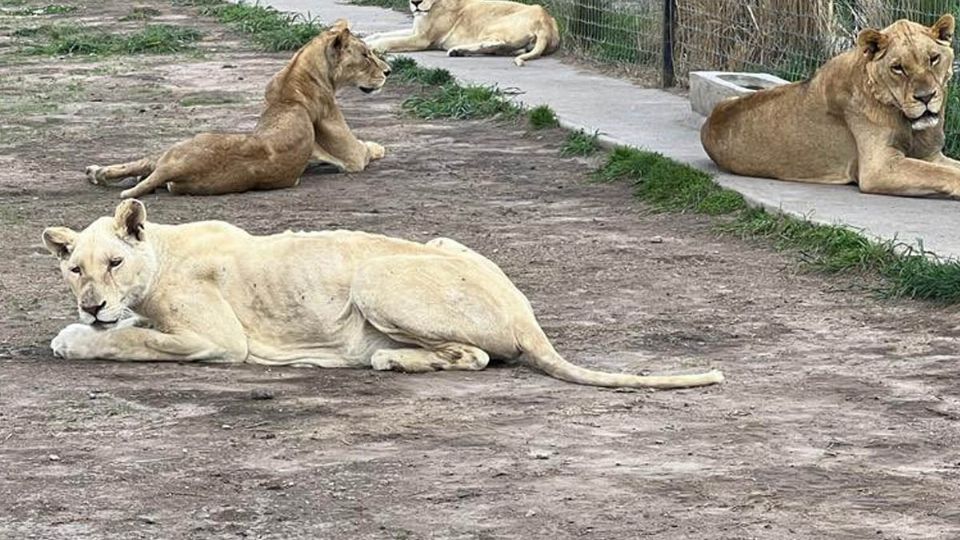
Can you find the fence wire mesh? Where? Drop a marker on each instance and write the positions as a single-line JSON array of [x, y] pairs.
[[789, 38], [626, 33]]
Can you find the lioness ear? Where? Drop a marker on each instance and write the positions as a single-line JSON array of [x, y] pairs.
[[341, 24], [872, 42], [943, 28], [129, 218], [59, 241], [338, 44]]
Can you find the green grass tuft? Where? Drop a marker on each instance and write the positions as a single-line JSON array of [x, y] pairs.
[[399, 5], [462, 103], [542, 117], [923, 276], [49, 9], [405, 69], [580, 143], [667, 184], [272, 30], [72, 39], [827, 248]]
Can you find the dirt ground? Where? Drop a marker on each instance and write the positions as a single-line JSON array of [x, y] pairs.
[[840, 417]]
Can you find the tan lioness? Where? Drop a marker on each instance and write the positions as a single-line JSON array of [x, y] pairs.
[[465, 27], [210, 291], [873, 116], [301, 120]]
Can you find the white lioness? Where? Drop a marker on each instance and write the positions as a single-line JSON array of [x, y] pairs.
[[210, 291], [464, 27]]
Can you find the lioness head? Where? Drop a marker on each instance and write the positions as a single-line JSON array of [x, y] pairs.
[[909, 66], [418, 7], [109, 265], [352, 61]]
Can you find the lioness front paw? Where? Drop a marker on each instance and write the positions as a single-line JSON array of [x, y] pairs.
[[382, 361], [377, 151], [94, 174], [72, 342]]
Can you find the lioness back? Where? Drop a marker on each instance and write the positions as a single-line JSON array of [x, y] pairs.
[[787, 132]]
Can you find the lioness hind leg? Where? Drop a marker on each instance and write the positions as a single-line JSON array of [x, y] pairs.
[[114, 173], [452, 356], [486, 47]]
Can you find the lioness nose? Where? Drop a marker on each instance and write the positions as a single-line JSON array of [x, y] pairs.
[[93, 310], [387, 72], [416, 2], [924, 96]]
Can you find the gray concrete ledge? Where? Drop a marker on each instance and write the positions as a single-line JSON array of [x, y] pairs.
[[655, 120]]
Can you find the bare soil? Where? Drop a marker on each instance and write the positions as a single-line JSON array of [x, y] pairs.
[[840, 417]]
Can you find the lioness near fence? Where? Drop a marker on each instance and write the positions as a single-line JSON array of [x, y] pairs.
[[301, 120], [209, 291], [469, 27], [873, 116]]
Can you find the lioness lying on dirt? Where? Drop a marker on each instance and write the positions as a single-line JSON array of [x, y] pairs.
[[301, 120], [873, 116], [210, 291], [465, 27]]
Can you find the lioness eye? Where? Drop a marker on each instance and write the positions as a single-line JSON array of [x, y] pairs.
[[115, 262], [898, 69], [935, 59], [76, 270]]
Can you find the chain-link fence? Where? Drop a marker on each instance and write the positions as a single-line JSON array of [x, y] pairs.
[[789, 38], [626, 33], [668, 39]]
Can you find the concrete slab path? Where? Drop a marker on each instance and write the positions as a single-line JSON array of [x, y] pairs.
[[663, 122]]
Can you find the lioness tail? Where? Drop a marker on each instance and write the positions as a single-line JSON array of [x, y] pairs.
[[547, 39], [544, 357]]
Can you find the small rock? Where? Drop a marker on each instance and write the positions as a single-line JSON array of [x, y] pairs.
[[150, 520], [53, 457], [226, 426], [531, 513], [540, 454], [656, 239], [261, 394]]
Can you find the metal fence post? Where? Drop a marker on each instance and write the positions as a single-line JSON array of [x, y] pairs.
[[669, 31]]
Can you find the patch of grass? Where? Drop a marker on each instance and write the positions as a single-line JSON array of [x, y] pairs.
[[462, 103], [399, 5], [667, 184], [405, 69], [923, 276], [580, 143], [72, 39], [49, 9], [542, 117], [141, 13], [272, 30], [206, 99], [827, 248], [449, 99]]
